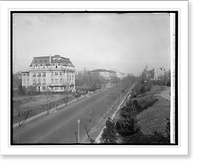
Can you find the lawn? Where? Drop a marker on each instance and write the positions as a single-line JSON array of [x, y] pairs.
[[37, 104], [155, 117]]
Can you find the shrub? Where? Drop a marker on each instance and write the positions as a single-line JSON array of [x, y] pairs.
[[127, 126], [32, 91], [141, 138], [149, 104], [21, 90], [109, 134], [137, 106], [143, 90]]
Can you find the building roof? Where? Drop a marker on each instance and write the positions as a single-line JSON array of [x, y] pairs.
[[40, 60], [47, 60]]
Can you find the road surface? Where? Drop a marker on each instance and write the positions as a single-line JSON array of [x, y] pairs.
[[61, 126]]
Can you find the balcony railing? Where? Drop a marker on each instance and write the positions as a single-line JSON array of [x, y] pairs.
[[56, 84]]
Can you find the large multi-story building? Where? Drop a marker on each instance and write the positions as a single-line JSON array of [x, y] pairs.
[[106, 74], [120, 75], [53, 73]]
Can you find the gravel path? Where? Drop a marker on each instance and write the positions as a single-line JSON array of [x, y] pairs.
[[166, 93]]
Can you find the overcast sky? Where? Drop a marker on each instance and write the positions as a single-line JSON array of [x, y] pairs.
[[125, 42]]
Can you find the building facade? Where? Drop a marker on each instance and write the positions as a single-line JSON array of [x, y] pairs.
[[53, 73], [120, 75]]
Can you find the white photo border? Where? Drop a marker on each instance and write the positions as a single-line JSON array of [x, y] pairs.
[[181, 149]]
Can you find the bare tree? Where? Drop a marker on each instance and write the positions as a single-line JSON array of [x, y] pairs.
[[21, 115], [66, 99], [89, 123], [105, 107], [48, 96], [24, 117], [17, 105]]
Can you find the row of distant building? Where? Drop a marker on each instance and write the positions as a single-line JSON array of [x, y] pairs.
[[57, 74], [154, 74], [108, 74]]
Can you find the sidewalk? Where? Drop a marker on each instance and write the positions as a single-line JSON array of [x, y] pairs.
[[166, 94]]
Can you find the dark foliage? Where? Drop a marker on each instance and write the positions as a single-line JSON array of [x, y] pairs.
[[141, 138], [142, 90], [32, 91], [137, 106], [127, 126], [127, 123], [109, 133], [148, 104], [21, 90]]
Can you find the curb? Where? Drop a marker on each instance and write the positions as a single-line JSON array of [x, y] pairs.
[[97, 140]]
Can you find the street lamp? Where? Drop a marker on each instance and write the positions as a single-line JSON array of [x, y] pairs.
[[78, 121]]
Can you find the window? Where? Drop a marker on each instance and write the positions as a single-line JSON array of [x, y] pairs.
[[34, 81], [61, 80], [44, 87], [60, 73], [56, 88], [34, 75], [44, 74], [44, 81], [56, 81], [56, 73]]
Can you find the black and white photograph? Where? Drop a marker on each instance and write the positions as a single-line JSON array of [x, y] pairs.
[[94, 77]]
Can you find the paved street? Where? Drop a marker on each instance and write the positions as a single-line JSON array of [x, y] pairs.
[[59, 127]]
